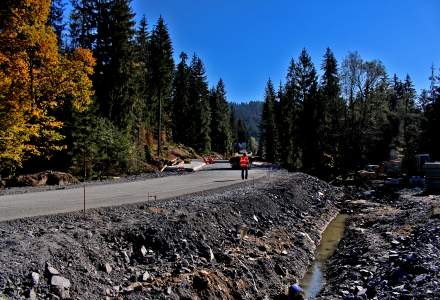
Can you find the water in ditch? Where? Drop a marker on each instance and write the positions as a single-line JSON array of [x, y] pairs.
[[314, 280]]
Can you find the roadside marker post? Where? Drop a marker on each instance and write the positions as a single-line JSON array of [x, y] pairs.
[[84, 186]]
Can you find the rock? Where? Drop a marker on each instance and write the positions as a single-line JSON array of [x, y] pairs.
[[107, 268], [60, 281], [126, 257], [169, 290], [211, 254], [144, 251], [146, 276], [51, 270], [135, 286], [35, 278]]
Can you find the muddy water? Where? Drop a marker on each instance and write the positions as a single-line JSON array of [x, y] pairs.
[[314, 280]]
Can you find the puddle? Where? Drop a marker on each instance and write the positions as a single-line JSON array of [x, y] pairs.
[[314, 280]]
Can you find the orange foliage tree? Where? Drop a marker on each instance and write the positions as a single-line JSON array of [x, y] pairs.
[[35, 79]]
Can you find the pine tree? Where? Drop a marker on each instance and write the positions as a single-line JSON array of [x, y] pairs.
[[268, 128], [306, 87], [221, 137], [161, 78], [181, 103], [199, 99]]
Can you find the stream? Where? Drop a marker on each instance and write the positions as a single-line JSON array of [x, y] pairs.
[[314, 280]]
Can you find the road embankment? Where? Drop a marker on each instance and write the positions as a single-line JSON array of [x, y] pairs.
[[247, 241]]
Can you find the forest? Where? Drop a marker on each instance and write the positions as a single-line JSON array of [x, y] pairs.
[[353, 115], [103, 92]]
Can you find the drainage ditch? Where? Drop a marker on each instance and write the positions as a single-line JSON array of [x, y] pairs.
[[314, 279]]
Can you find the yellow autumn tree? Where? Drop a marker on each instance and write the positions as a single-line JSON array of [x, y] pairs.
[[35, 79]]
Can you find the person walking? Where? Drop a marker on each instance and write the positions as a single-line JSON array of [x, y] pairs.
[[244, 166]]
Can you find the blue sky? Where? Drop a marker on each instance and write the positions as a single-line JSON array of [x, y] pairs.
[[247, 41]]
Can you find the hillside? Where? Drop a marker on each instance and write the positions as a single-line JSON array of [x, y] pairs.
[[250, 112]]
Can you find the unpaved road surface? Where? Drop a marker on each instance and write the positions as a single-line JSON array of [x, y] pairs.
[[68, 200]]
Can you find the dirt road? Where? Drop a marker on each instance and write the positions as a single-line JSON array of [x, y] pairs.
[[68, 200]]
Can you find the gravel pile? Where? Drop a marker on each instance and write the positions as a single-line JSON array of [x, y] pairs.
[[241, 242]]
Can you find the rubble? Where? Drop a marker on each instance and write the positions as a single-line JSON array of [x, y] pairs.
[[391, 249], [207, 245]]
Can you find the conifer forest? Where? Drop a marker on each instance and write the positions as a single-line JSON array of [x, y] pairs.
[[97, 88]]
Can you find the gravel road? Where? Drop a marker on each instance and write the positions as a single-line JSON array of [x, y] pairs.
[[68, 200]]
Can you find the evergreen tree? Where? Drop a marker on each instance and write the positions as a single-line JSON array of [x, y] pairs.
[[83, 23], [142, 56], [331, 114], [411, 127], [161, 78], [268, 128], [55, 19], [242, 132], [199, 99], [306, 88], [221, 137], [122, 92], [289, 112], [181, 104], [431, 123], [233, 123]]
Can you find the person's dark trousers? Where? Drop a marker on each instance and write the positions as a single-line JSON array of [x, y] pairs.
[[244, 173]]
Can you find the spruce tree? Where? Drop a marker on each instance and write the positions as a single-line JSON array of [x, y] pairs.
[[121, 95], [330, 114], [233, 123], [242, 132], [289, 121], [161, 78], [142, 56], [221, 137], [268, 128], [55, 19], [181, 104], [306, 88], [83, 23], [199, 103]]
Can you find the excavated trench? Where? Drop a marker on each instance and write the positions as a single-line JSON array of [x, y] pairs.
[[314, 280]]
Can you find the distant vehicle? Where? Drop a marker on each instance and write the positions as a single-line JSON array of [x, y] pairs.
[[239, 149]]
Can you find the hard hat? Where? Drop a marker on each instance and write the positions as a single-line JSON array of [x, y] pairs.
[[295, 288]]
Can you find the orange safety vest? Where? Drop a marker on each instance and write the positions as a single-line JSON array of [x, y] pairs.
[[244, 161]]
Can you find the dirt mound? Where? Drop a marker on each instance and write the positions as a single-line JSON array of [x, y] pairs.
[[241, 242], [43, 178]]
